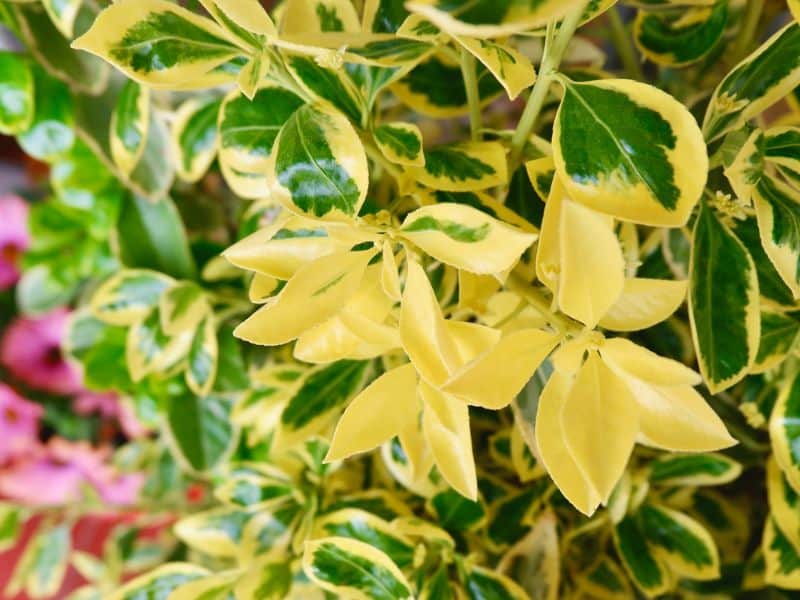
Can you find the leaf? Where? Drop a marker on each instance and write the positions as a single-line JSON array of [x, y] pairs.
[[794, 7], [328, 85], [648, 163], [202, 359], [784, 432], [194, 137], [247, 132], [592, 265], [643, 303], [782, 560], [606, 580], [215, 587], [783, 503], [433, 88], [599, 418], [454, 512], [681, 37], [378, 413], [216, 532], [359, 525], [348, 567], [51, 133], [319, 166], [129, 296], [467, 166], [260, 490], [747, 166], [321, 288], [755, 84], [182, 307], [148, 349], [63, 14], [321, 396], [778, 335], [778, 212], [482, 583], [47, 562], [496, 376], [266, 580], [445, 425], [723, 303], [201, 431], [152, 236], [694, 470], [310, 16], [153, 174], [770, 285], [157, 43], [465, 237], [534, 561], [10, 525], [160, 582], [400, 143], [16, 94], [237, 15], [130, 122], [268, 534], [511, 68], [646, 569], [782, 147]]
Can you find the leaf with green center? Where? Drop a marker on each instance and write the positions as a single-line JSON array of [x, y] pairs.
[[16, 93], [328, 84], [694, 469], [195, 137], [158, 43], [647, 162], [319, 166], [463, 167], [202, 358], [785, 431], [400, 143], [129, 296], [755, 84], [354, 569], [510, 67], [149, 349], [778, 335], [781, 558], [247, 132], [606, 580], [682, 37], [51, 133], [778, 212], [457, 513], [129, 125], [396, 52], [645, 567], [159, 583], [482, 584], [216, 532], [782, 148], [723, 303], [200, 430]]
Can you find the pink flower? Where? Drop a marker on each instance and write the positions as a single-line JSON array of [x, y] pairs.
[[57, 472], [14, 238], [31, 351], [19, 424], [110, 406]]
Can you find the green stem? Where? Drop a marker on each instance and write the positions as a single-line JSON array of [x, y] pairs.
[[473, 96], [624, 45], [747, 32], [551, 59]]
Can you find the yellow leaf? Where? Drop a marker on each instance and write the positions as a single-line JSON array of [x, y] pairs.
[[247, 14], [445, 423], [639, 362], [512, 69], [384, 408], [390, 277], [261, 288], [494, 378], [553, 450], [465, 237], [592, 265], [471, 339], [643, 303], [316, 293], [600, 419], [422, 330], [548, 250]]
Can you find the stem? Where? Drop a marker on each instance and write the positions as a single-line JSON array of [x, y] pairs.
[[624, 45], [473, 97], [551, 59], [747, 32]]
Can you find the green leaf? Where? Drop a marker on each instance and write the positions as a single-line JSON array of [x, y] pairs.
[[130, 122], [247, 130], [756, 83], [63, 14], [400, 143], [483, 584], [647, 161], [265, 581], [152, 236], [694, 469], [467, 166], [784, 430], [606, 579], [201, 430], [782, 147], [47, 562], [509, 515], [396, 52], [10, 521], [778, 212], [327, 84], [770, 284], [216, 532], [348, 567], [782, 560], [129, 296], [159, 583], [320, 166], [723, 303], [157, 42], [681, 37], [100, 348], [323, 393], [644, 567], [16, 93], [202, 360], [255, 491], [194, 136], [149, 349], [51, 133], [457, 513], [778, 334]]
